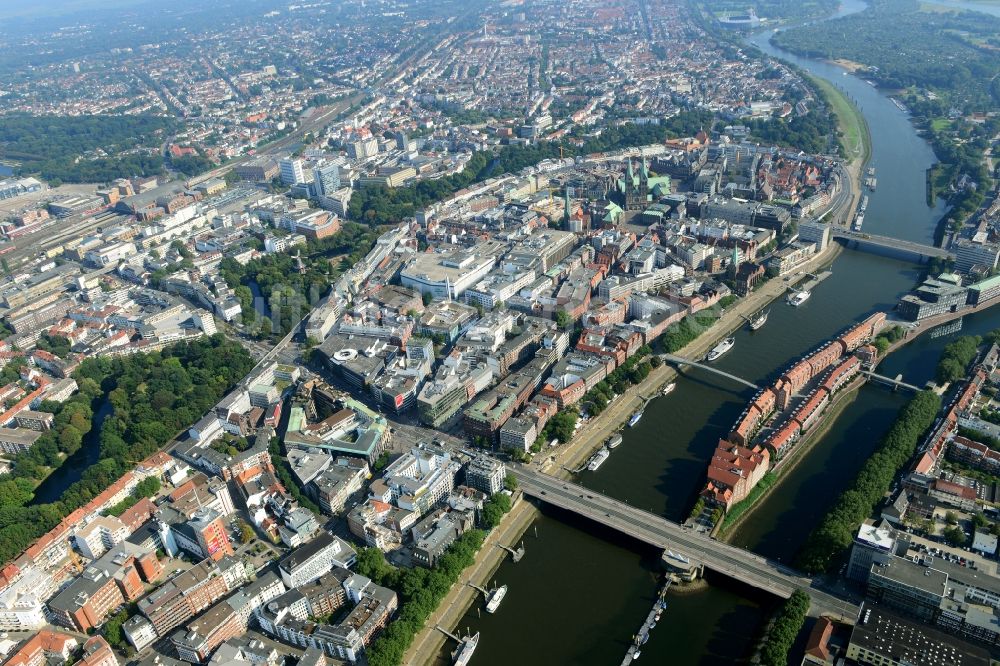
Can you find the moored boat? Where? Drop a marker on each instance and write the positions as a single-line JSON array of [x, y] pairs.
[[465, 650], [496, 596], [720, 349], [598, 459], [798, 298]]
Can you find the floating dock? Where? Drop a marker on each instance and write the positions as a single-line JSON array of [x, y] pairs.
[[640, 638]]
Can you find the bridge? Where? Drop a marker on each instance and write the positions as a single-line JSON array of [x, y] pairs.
[[889, 247], [678, 360], [747, 567], [894, 383]]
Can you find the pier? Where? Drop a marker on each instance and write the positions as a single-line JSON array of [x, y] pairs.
[[515, 555], [814, 281], [647, 625], [448, 634], [481, 590]]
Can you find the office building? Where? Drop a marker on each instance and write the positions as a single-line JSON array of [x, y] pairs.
[[291, 171], [486, 474]]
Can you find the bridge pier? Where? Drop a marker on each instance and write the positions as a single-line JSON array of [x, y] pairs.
[[680, 568]]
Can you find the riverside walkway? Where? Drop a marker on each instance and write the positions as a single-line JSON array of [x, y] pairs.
[[747, 567]]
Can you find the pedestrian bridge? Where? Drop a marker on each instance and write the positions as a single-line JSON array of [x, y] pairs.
[[744, 566], [892, 382], [890, 247], [678, 360]]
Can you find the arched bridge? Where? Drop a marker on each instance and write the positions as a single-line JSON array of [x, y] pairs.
[[749, 568], [678, 360]]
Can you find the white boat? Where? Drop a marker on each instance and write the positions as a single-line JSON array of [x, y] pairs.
[[598, 459], [496, 596], [759, 320], [638, 653], [615, 441], [635, 418], [465, 650], [858, 221], [798, 298], [669, 387], [864, 203], [721, 349]]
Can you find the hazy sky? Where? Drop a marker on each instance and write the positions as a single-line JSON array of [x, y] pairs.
[[41, 8]]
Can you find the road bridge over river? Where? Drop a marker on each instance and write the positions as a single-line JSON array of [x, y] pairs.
[[744, 566], [889, 247]]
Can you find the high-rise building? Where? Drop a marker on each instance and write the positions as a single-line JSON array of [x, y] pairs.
[[327, 179], [292, 172]]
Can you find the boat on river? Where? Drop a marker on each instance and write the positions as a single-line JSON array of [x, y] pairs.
[[720, 349], [759, 319], [465, 650], [597, 460], [798, 298], [496, 596], [635, 418]]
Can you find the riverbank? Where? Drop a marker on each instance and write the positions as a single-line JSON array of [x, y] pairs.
[[428, 642], [593, 435], [856, 135], [794, 459]]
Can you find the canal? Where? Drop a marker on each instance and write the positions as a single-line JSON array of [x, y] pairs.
[[52, 488], [580, 592]]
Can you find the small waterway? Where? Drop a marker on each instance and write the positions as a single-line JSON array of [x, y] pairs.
[[52, 488]]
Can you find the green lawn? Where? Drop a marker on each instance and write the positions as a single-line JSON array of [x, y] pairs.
[[852, 124], [940, 124]]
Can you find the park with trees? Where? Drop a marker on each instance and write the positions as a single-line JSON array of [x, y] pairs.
[[143, 401]]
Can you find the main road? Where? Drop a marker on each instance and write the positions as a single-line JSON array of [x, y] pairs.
[[752, 569]]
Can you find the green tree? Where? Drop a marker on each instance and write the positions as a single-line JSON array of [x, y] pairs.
[[563, 319]]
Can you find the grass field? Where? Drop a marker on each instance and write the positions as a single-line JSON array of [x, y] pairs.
[[939, 124], [853, 129]]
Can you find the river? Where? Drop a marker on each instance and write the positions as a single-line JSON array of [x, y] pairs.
[[581, 592]]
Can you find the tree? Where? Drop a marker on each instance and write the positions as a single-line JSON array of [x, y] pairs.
[[112, 629], [427, 297], [562, 426], [494, 510], [951, 518], [510, 482], [246, 532], [784, 629], [954, 536], [563, 319]]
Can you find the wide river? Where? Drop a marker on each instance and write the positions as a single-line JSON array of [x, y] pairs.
[[581, 591]]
